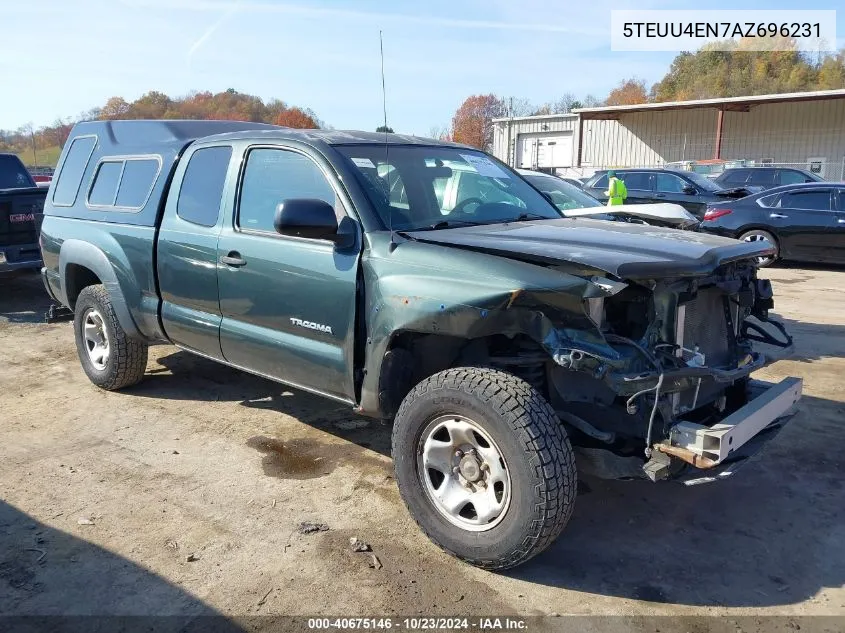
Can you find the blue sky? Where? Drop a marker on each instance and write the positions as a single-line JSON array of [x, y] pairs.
[[61, 57]]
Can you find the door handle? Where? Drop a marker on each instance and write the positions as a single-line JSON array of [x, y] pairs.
[[779, 216], [660, 195], [233, 259]]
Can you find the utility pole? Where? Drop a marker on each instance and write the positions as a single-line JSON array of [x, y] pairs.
[[34, 155]]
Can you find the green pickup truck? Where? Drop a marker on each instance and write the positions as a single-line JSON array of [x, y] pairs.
[[428, 284]]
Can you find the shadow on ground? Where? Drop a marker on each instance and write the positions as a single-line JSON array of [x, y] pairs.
[[23, 298], [772, 535], [47, 572], [185, 376]]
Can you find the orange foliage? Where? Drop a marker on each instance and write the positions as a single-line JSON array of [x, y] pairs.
[[628, 92], [472, 125], [296, 118]]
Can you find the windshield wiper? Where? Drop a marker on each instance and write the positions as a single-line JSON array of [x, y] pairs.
[[522, 217], [448, 224]]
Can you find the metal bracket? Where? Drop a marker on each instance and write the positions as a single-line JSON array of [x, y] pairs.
[[58, 313]]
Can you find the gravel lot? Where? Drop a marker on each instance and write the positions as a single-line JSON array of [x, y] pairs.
[[183, 496]]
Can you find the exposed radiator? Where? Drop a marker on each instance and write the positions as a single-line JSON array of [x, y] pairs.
[[705, 327]]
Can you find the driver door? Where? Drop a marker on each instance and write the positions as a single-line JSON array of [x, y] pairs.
[[288, 303]]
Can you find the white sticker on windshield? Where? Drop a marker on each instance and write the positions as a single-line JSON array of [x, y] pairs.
[[363, 162], [485, 166]]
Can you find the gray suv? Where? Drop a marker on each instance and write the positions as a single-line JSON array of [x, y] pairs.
[[766, 177]]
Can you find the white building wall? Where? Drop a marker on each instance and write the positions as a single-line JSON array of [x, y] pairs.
[[509, 134], [789, 133]]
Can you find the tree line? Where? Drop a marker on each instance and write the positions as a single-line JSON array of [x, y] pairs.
[[706, 74], [229, 105]]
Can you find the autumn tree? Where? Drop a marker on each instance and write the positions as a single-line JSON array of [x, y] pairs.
[[735, 70], [297, 118], [628, 92], [115, 108], [472, 123]]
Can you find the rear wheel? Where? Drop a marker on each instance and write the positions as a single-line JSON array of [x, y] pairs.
[[484, 466], [758, 235], [111, 359]]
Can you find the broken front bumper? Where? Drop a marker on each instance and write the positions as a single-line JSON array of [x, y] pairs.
[[717, 451]]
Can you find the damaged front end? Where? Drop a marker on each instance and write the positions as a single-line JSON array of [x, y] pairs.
[[671, 388], [647, 364]]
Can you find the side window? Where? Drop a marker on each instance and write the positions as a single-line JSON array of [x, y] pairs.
[[735, 177], [816, 199], [104, 189], [137, 182], [668, 183], [788, 177], [601, 182], [202, 187], [73, 168], [842, 199], [762, 177], [272, 176], [123, 184], [636, 180]]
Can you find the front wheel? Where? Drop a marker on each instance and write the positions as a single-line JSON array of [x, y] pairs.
[[484, 466]]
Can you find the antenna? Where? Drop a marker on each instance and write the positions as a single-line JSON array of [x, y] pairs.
[[393, 244]]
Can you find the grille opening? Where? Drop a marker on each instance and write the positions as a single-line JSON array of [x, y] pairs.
[[629, 313]]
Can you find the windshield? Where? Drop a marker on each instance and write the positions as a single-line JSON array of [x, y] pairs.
[[425, 187], [702, 181], [563, 194], [12, 173]]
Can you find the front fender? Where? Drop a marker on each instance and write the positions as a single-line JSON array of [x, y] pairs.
[[429, 289]]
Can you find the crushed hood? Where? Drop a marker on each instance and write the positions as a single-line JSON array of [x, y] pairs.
[[628, 251]]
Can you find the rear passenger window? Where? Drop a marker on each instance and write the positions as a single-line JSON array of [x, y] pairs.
[[734, 177], [202, 187], [273, 176], [792, 177], [636, 180], [818, 200], [601, 182], [73, 168], [762, 177]]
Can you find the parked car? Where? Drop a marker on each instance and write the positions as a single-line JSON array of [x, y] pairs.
[[692, 191], [765, 177], [574, 202], [427, 283], [803, 222], [575, 182], [21, 206]]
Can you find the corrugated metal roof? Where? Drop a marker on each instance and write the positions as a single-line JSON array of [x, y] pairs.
[[726, 103]]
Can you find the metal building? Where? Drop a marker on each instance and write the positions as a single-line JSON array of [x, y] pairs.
[[805, 130]]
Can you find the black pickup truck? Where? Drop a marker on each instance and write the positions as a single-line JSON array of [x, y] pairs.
[[428, 284], [21, 206]]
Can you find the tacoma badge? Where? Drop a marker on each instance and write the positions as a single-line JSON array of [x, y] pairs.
[[311, 325]]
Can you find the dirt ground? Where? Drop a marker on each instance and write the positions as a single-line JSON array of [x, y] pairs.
[[183, 495]]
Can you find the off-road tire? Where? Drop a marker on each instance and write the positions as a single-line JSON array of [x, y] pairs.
[[127, 356], [746, 237], [533, 442]]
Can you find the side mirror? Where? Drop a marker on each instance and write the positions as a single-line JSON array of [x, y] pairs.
[[689, 190], [306, 217]]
